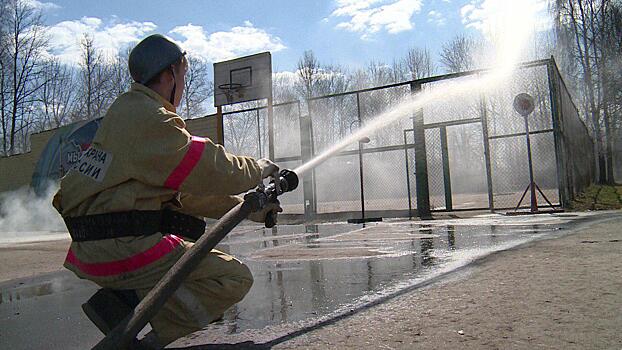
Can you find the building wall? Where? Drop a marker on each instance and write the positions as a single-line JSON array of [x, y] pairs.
[[207, 126], [16, 171]]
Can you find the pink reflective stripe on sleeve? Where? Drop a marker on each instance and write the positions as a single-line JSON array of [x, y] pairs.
[[190, 160], [134, 262]]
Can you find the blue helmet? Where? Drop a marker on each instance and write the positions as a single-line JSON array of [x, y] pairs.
[[151, 56]]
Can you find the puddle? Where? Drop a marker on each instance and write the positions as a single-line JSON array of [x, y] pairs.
[[314, 269], [303, 272], [12, 292]]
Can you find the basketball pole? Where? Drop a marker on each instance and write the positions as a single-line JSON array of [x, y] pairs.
[[270, 121], [220, 130]]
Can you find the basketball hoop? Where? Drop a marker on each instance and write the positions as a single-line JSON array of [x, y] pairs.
[[230, 89], [243, 79]]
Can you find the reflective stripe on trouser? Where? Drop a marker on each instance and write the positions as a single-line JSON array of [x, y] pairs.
[[215, 285]]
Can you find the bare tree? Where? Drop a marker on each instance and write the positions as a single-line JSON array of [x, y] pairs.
[[379, 73], [459, 54], [57, 96], [330, 116], [308, 72], [21, 65], [120, 78], [359, 79], [284, 87], [197, 90], [610, 67], [419, 63], [240, 133], [4, 83], [332, 79], [595, 43], [95, 89], [375, 102]]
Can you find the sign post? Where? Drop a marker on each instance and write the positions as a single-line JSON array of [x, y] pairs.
[[524, 105]]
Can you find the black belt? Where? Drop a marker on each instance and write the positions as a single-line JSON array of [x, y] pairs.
[[133, 223]]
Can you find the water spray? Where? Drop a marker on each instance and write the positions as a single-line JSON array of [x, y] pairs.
[[510, 25], [406, 108]]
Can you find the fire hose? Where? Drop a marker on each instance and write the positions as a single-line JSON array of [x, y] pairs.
[[126, 331]]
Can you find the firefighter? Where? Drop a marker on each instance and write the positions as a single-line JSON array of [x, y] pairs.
[[136, 199]]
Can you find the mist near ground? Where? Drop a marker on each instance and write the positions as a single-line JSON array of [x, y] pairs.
[[23, 214]]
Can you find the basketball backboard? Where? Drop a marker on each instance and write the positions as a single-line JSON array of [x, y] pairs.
[[243, 79]]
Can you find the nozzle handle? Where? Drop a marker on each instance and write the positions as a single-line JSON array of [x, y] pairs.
[[288, 181], [270, 220]]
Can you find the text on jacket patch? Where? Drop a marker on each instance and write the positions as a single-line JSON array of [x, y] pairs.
[[94, 163]]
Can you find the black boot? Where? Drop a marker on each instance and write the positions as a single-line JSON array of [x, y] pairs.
[[107, 308]]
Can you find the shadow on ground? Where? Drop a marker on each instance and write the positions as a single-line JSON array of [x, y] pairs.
[[243, 345]]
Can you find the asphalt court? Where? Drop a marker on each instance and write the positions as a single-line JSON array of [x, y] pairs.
[[302, 274]]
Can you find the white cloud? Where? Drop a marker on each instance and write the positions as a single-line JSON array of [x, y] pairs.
[[436, 18], [371, 16], [113, 35], [43, 5], [489, 15], [218, 46], [109, 38]]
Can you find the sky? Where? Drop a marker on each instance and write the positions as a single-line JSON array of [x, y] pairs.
[[349, 33]]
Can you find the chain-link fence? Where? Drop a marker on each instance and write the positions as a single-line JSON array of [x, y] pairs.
[[246, 131], [617, 153], [575, 148], [474, 147]]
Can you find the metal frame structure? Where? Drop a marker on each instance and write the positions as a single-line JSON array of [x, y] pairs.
[[567, 182]]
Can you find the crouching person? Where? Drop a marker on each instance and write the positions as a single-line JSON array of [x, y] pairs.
[[136, 199]]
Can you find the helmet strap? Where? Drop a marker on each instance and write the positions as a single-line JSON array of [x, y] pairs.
[[172, 98]]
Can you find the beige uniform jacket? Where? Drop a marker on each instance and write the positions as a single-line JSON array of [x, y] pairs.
[[143, 158]]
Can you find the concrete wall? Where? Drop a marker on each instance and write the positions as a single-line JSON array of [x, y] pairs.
[[208, 126], [16, 171]]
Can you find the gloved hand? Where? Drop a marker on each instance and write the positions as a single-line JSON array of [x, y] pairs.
[[260, 216], [268, 168]]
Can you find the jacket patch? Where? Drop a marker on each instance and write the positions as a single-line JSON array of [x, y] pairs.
[[94, 163]]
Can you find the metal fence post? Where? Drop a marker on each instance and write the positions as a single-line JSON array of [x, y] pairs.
[[446, 172], [270, 128], [421, 161], [408, 190], [484, 117], [565, 189], [308, 181], [259, 136], [360, 148]]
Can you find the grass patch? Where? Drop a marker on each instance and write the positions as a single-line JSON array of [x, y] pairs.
[[599, 197]]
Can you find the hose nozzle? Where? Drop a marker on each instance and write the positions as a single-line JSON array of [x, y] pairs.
[[288, 181]]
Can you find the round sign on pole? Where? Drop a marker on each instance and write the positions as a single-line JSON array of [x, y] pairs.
[[523, 104]]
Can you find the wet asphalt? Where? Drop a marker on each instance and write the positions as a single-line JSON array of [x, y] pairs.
[[303, 274]]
